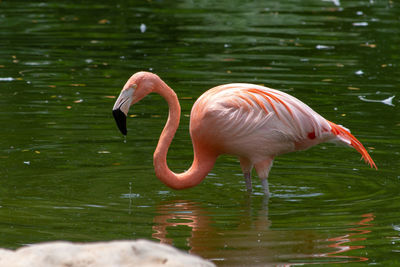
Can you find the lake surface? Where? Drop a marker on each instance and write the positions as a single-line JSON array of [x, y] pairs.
[[67, 174]]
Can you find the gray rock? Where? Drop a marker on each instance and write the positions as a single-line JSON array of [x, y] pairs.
[[141, 253]]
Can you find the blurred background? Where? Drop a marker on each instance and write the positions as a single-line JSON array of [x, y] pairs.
[[66, 173]]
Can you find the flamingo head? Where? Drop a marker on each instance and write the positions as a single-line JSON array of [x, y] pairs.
[[137, 87]]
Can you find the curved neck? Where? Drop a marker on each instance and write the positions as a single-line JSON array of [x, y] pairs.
[[203, 160]]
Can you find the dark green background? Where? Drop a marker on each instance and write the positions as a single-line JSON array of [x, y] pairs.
[[66, 173]]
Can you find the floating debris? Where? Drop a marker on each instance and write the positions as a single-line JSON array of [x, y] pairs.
[[360, 24], [368, 45], [143, 28], [359, 72], [104, 152], [15, 60], [388, 101], [324, 47], [103, 21], [353, 88], [335, 2], [6, 79], [27, 162]]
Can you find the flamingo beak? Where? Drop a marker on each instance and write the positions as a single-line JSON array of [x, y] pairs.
[[120, 119], [121, 108]]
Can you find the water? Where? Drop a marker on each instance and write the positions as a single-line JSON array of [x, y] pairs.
[[66, 173]]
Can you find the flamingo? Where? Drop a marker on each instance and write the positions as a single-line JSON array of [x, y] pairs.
[[252, 122]]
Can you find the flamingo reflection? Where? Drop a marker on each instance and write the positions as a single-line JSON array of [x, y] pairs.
[[249, 238], [182, 213], [342, 242], [246, 238]]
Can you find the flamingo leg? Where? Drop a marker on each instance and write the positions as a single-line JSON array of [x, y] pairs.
[[247, 178], [247, 166], [263, 168], [265, 185]]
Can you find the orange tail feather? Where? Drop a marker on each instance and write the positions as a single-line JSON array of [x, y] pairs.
[[340, 131]]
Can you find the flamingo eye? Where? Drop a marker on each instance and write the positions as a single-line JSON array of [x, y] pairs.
[[134, 86]]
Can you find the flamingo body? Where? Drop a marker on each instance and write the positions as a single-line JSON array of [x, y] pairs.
[[252, 122], [249, 121]]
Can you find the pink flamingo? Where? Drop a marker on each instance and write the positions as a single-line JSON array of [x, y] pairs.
[[253, 122]]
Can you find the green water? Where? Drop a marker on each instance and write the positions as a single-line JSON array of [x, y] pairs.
[[66, 173]]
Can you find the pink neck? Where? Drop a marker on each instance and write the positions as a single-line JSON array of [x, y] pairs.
[[203, 161]]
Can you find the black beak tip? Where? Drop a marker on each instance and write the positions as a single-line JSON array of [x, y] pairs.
[[120, 119]]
